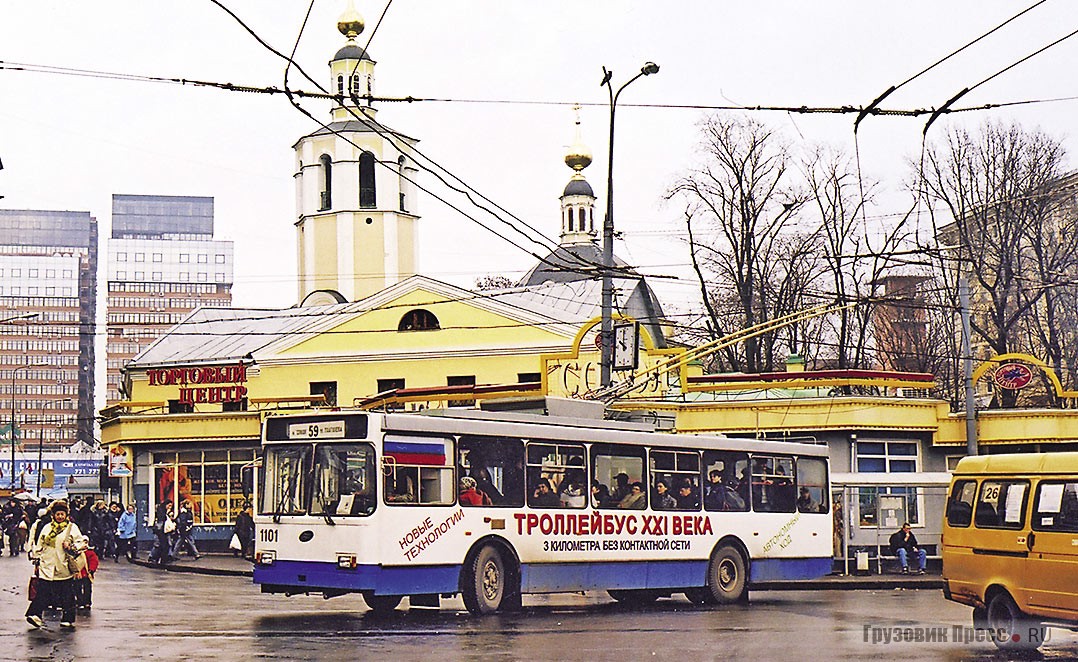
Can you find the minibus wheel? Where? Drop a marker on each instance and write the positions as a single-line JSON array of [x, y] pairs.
[[381, 604], [484, 583], [726, 576], [1012, 629]]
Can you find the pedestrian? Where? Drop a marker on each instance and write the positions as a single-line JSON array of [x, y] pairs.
[[112, 541], [84, 582], [56, 541], [126, 529], [101, 527], [185, 532], [164, 525], [245, 531]]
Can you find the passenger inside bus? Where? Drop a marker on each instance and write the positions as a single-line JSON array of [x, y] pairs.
[[805, 502], [600, 494], [661, 499], [400, 488], [571, 491], [484, 484], [621, 488], [543, 496], [469, 495], [688, 498], [635, 499]]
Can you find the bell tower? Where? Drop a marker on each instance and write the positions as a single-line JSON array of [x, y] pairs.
[[356, 206]]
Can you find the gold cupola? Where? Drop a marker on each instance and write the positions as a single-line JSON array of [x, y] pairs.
[[350, 24], [578, 156]]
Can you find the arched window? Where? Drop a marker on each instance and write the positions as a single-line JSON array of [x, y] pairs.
[[326, 197], [591, 219], [581, 222], [569, 218], [418, 320], [340, 85], [367, 196], [355, 84]]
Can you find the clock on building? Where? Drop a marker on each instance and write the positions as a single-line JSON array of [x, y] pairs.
[[626, 352]]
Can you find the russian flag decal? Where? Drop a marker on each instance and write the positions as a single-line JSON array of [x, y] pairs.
[[416, 452]]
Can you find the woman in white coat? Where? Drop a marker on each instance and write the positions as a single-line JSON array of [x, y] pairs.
[[53, 545]]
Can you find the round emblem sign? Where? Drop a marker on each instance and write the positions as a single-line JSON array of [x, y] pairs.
[[1013, 376]]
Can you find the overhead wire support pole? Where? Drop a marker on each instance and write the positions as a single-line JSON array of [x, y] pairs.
[[967, 365], [606, 341]]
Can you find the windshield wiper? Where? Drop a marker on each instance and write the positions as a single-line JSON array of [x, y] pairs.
[[319, 496], [290, 486]]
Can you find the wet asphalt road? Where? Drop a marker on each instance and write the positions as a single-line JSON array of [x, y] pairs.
[[144, 613]]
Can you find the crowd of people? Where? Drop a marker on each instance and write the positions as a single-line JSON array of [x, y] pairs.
[[65, 543]]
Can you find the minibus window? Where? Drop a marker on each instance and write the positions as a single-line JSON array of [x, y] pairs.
[[1002, 504], [960, 505], [1056, 507]]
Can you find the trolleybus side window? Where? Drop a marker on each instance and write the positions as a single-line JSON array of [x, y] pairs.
[[556, 476], [1001, 505], [675, 480], [960, 503], [618, 477], [344, 480], [726, 481], [1056, 506], [811, 485], [285, 478], [418, 470], [497, 465], [772, 484]]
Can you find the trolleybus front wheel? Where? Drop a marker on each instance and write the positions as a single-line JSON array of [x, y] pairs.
[[726, 576], [484, 586], [381, 604]]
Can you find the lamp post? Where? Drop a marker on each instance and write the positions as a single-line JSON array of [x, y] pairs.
[[6, 320], [13, 373], [608, 226], [41, 443]]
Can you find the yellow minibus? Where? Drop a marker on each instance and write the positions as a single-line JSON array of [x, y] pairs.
[[1010, 544]]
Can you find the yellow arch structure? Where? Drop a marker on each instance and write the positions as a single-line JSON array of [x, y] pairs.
[[1025, 358]]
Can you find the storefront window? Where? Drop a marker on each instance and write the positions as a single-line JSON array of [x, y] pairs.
[[212, 482]]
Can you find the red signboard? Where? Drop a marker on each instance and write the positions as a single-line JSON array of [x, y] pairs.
[[1013, 376]]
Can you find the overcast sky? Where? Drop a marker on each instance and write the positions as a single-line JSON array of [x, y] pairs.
[[70, 142]]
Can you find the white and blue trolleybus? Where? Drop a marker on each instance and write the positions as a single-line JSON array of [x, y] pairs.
[[493, 506]]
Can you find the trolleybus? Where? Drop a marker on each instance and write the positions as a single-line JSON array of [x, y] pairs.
[[492, 507]]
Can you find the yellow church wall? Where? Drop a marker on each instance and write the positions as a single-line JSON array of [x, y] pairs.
[[464, 328], [325, 241]]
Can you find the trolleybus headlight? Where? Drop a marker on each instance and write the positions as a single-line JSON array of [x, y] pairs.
[[265, 557], [346, 561]]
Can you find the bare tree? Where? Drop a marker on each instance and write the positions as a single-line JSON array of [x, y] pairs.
[[743, 193], [997, 187]]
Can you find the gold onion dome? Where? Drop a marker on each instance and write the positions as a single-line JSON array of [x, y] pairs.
[[578, 156], [350, 24]]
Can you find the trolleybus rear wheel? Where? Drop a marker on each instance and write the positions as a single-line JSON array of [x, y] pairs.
[[484, 586], [381, 604], [726, 580]]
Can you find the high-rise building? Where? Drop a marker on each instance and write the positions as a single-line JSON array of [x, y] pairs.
[[48, 302], [163, 262]]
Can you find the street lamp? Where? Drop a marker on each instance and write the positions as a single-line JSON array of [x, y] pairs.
[[13, 373], [608, 225], [23, 316], [41, 442]]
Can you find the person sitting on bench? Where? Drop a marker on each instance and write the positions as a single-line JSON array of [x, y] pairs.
[[903, 545]]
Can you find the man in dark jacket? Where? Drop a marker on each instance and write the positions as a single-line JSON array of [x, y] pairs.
[[185, 532], [904, 545]]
